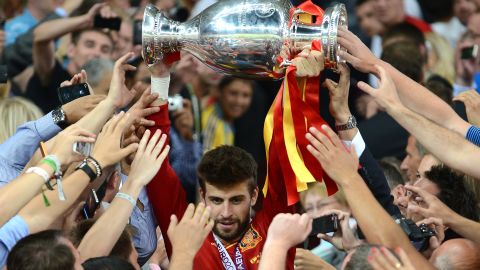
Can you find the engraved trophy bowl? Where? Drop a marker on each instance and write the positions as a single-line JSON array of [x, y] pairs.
[[242, 38]]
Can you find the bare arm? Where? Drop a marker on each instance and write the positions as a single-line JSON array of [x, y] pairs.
[[447, 145], [45, 35], [146, 164], [412, 94], [341, 166]]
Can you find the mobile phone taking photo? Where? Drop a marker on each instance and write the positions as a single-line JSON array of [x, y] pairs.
[[69, 93], [137, 32], [82, 148], [469, 52], [325, 224], [94, 200], [110, 23]]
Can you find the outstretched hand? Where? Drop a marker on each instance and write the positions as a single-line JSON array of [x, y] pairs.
[[357, 54], [119, 95], [338, 162], [386, 94], [287, 230]]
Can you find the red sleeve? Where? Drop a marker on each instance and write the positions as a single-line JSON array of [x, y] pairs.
[[165, 192], [420, 24]]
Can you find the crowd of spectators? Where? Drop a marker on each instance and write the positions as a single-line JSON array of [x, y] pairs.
[[106, 163]]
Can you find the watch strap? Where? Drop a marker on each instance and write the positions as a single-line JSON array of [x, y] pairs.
[[351, 123], [84, 167]]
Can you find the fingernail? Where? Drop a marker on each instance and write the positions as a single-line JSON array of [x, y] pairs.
[[374, 250], [383, 250], [370, 258]]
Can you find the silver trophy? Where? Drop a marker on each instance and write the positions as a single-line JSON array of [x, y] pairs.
[[244, 38]]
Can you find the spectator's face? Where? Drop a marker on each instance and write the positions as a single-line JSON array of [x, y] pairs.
[[90, 44], [123, 40], [463, 9], [230, 209], [388, 11], [473, 27], [235, 99], [368, 20], [412, 160], [315, 204]]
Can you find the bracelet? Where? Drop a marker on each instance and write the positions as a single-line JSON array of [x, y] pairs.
[[53, 162], [86, 169], [127, 197], [97, 166], [40, 172]]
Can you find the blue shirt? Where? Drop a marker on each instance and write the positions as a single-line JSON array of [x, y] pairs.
[[17, 150], [10, 233], [18, 25], [145, 224]]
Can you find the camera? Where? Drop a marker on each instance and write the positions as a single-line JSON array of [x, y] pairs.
[[419, 235], [175, 103], [469, 52], [324, 224]]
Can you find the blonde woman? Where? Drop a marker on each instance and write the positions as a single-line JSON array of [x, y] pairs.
[[441, 60], [14, 112]]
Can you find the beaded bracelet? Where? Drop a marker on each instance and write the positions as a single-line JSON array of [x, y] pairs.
[[97, 166]]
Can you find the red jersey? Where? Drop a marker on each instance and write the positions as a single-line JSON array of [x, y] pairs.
[[168, 197], [420, 24]]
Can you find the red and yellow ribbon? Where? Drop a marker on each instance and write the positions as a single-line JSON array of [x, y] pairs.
[[294, 110]]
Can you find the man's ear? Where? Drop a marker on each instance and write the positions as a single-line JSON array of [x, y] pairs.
[[254, 197], [71, 50], [202, 195]]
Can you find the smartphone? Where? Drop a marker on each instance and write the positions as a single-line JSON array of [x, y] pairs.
[[110, 23], [137, 32], [82, 148], [2, 25], [67, 94], [91, 205], [135, 3], [325, 224], [470, 52]]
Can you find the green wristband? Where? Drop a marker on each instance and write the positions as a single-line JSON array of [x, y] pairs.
[[50, 164]]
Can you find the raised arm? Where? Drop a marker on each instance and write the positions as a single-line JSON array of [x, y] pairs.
[[107, 152], [445, 144], [46, 33], [341, 165], [412, 94], [101, 238], [15, 195]]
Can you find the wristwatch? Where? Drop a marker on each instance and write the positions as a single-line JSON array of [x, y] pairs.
[[351, 123], [60, 118]]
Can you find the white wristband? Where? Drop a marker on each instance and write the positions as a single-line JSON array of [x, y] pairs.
[[127, 197], [40, 172], [160, 86]]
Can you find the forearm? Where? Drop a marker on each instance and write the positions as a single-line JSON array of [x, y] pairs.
[[181, 261], [38, 217], [110, 225], [446, 145], [96, 118], [464, 226], [274, 256], [414, 96], [51, 30], [15, 195], [381, 229]]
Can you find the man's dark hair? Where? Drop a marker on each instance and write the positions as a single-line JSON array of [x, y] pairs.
[[359, 259], [77, 34], [403, 32], [392, 173], [227, 80], [438, 10], [453, 191], [226, 166], [107, 263], [406, 57], [46, 250], [441, 87], [121, 249]]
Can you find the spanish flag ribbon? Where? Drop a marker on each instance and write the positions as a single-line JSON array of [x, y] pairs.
[[295, 109]]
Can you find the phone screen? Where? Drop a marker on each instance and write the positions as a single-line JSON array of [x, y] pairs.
[[91, 204], [67, 94], [110, 23], [325, 224], [469, 52], [137, 32]]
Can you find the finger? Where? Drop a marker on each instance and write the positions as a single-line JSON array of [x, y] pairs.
[[159, 145], [122, 60], [143, 142], [418, 210], [366, 88], [198, 212], [316, 143], [131, 148], [83, 139], [114, 122], [389, 258], [147, 123], [331, 85], [163, 155], [65, 83], [372, 260], [332, 136], [321, 138], [344, 73], [149, 111], [153, 141], [404, 258], [317, 154], [173, 223], [205, 215], [420, 192], [379, 258], [83, 132], [189, 212]]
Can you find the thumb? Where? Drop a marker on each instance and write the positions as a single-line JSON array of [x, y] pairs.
[[324, 237], [330, 85], [97, 7], [418, 210], [128, 150]]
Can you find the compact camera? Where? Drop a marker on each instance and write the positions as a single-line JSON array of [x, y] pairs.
[[419, 235], [175, 103]]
